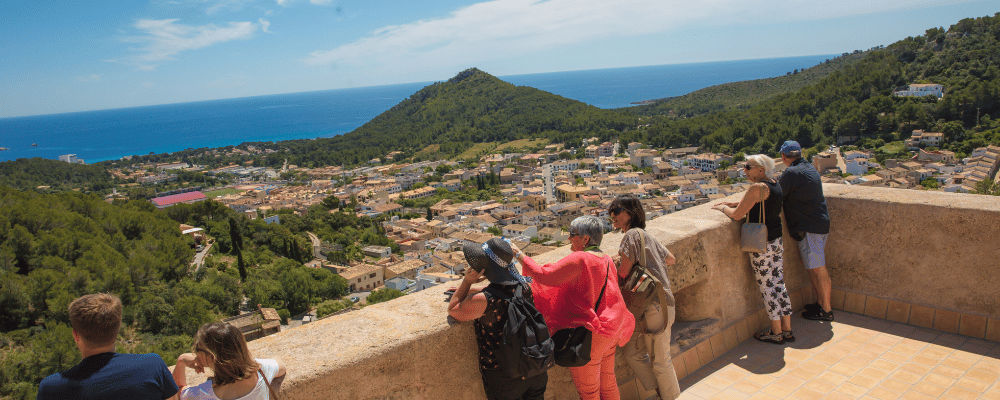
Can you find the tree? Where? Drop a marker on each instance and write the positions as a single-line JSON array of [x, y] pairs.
[[331, 306], [930, 183], [494, 230], [381, 295], [190, 313], [236, 239], [429, 215]]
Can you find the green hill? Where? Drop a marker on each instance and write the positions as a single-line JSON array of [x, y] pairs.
[[442, 120], [30, 173], [473, 107], [856, 102], [745, 93]]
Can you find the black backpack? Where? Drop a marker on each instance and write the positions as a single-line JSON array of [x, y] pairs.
[[526, 350]]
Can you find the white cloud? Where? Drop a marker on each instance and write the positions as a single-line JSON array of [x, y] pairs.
[[90, 78], [163, 40], [505, 28], [320, 2], [264, 24]]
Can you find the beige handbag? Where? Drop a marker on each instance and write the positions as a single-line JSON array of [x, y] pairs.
[[753, 236]]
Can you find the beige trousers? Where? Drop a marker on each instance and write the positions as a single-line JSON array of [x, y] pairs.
[[648, 354]]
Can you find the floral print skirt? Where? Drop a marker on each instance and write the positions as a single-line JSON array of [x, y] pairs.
[[767, 266]]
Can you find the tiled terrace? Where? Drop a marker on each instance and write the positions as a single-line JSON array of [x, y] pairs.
[[854, 357]]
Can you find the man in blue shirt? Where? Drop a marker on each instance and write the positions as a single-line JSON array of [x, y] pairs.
[[808, 223], [104, 374]]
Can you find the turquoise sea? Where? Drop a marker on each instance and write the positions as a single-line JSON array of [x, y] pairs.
[[111, 134]]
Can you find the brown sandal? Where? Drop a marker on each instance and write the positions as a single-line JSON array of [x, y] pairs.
[[766, 336]]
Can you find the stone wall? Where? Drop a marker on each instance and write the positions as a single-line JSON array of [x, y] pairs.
[[907, 246], [934, 249]]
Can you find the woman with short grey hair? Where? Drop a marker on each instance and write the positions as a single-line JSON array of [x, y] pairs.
[[588, 226], [582, 290]]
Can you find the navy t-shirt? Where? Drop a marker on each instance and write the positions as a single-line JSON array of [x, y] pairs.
[[111, 376], [804, 203]]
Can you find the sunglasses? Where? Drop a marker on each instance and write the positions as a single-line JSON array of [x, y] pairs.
[[749, 167], [616, 210]]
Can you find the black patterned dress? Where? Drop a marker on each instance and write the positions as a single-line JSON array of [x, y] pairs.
[[767, 266]]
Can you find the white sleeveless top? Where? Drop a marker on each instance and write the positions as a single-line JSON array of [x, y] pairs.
[[204, 391]]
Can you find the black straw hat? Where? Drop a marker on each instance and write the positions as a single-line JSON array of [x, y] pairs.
[[494, 259]]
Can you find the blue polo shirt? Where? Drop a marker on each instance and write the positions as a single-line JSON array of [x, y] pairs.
[[111, 376]]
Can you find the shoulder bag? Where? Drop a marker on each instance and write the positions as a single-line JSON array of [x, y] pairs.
[[640, 287], [753, 236], [573, 344]]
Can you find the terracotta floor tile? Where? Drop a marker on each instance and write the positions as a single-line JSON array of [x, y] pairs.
[[826, 358], [844, 369], [924, 360], [874, 373], [760, 380], [852, 390], [747, 387], [865, 358], [789, 381], [915, 368], [717, 382], [777, 390], [807, 394], [884, 365], [863, 381], [803, 374], [883, 394], [734, 374], [761, 396], [896, 386], [929, 389], [973, 385], [957, 364], [730, 394], [961, 393], [984, 375], [820, 386], [939, 380], [906, 349], [894, 357], [837, 396], [905, 376], [947, 371], [914, 395]]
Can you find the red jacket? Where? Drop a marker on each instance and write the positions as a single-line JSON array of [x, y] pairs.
[[565, 293]]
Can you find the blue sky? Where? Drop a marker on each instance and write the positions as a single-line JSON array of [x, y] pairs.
[[64, 56]]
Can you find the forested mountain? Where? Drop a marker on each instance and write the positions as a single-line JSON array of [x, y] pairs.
[[744, 94], [857, 101], [473, 107], [30, 173]]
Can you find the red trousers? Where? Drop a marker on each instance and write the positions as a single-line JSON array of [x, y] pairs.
[[596, 380]]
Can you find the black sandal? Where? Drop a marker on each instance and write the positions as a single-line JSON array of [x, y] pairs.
[[767, 336]]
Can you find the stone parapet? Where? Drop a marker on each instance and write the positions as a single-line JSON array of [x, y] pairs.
[[933, 249]]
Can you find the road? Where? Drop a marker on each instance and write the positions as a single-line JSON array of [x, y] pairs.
[[199, 258], [316, 245]]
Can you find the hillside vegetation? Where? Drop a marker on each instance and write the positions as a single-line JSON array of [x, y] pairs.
[[30, 173], [744, 94], [857, 102]]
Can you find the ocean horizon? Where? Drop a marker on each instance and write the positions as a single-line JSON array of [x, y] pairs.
[[114, 133]]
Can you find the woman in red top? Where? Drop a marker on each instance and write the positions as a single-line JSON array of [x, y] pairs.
[[566, 291]]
